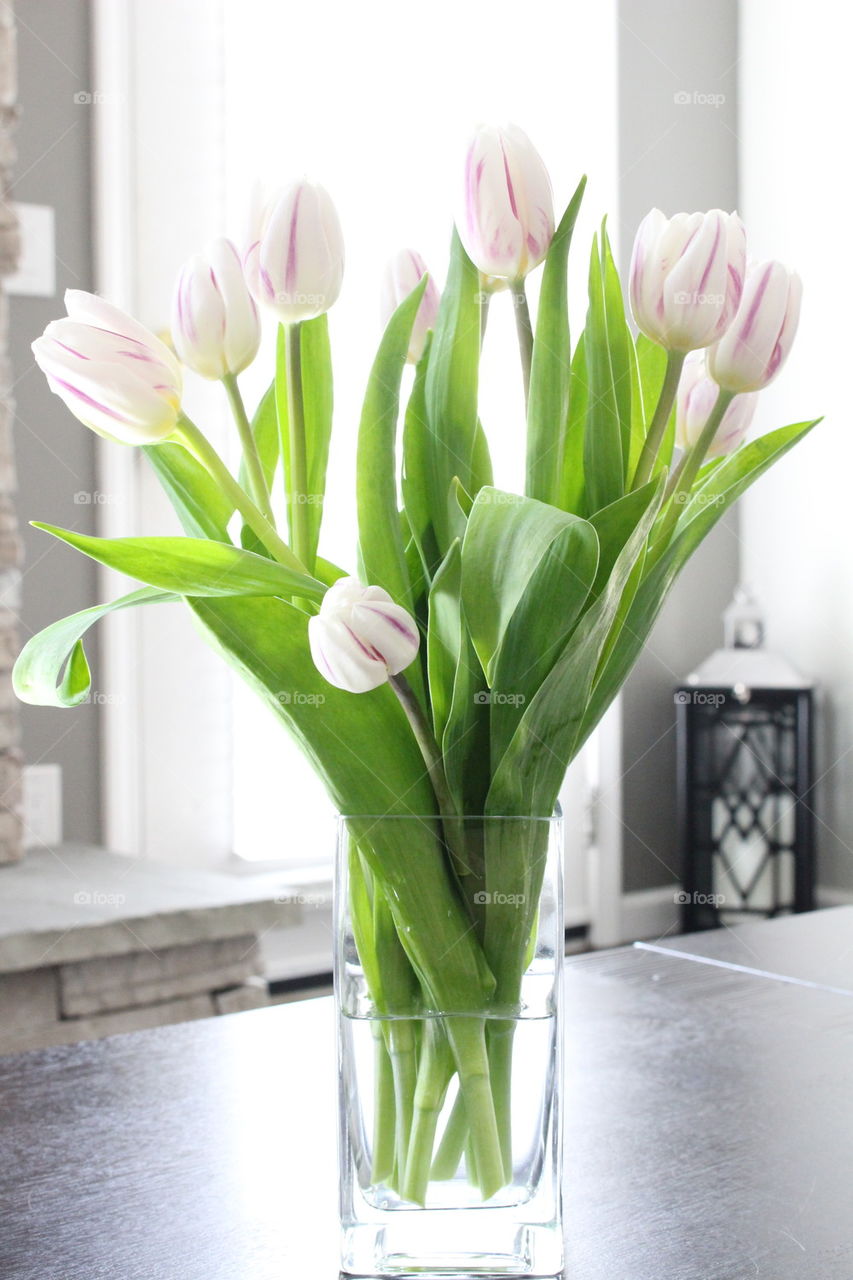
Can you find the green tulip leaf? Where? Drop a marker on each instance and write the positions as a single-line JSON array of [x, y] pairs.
[[505, 541], [550, 371], [570, 493], [450, 393], [52, 669], [381, 540], [201, 506], [192, 566], [528, 777], [608, 348], [364, 751], [317, 404]]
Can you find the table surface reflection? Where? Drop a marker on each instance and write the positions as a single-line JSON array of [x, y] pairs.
[[709, 1128]]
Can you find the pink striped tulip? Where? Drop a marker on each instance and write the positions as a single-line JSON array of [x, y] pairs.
[[360, 636], [215, 324], [697, 394], [295, 261], [403, 274], [756, 346], [506, 221], [112, 372], [686, 277]]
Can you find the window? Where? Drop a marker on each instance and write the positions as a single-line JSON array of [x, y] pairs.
[[268, 92]]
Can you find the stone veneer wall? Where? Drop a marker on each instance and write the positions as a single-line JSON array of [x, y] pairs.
[[11, 831]]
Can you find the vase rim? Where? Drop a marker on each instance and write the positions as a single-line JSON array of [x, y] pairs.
[[556, 816]]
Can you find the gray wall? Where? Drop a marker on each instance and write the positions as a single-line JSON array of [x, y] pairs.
[[678, 150], [55, 455]]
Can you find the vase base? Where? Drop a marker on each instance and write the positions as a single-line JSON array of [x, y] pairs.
[[470, 1247]]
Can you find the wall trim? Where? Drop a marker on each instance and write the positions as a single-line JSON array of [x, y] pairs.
[[650, 913], [828, 895]]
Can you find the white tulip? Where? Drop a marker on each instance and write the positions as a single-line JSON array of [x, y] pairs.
[[295, 260], [360, 636], [113, 374], [215, 324]]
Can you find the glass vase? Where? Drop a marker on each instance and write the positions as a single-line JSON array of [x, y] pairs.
[[450, 1140]]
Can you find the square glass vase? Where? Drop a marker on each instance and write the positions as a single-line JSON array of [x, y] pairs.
[[449, 1084]]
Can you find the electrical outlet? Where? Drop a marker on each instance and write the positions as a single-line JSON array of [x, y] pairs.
[[42, 805]]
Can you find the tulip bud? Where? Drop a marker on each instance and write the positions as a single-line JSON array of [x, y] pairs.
[[756, 346], [360, 636], [697, 395], [506, 221], [686, 277], [113, 374], [403, 274], [295, 260], [215, 325]]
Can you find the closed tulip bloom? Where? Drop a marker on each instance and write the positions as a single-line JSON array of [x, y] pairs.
[[756, 346], [215, 324], [112, 372], [403, 274], [686, 277], [697, 395], [360, 636], [295, 260], [506, 221]]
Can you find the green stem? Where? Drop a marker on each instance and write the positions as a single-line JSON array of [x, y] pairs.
[[485, 299], [452, 1145], [468, 1042], [453, 825], [401, 1043], [384, 1113], [426, 742], [201, 449], [254, 469], [657, 426], [689, 469], [296, 483], [500, 1040], [524, 329], [434, 1075]]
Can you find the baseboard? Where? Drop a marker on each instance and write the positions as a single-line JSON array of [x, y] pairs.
[[650, 913], [828, 896]]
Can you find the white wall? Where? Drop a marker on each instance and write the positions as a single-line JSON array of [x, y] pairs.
[[797, 524]]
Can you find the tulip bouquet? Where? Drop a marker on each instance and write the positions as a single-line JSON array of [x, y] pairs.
[[483, 633]]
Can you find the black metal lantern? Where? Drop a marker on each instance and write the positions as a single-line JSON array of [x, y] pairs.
[[744, 746]]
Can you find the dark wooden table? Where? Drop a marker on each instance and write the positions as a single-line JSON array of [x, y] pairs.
[[709, 1131]]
